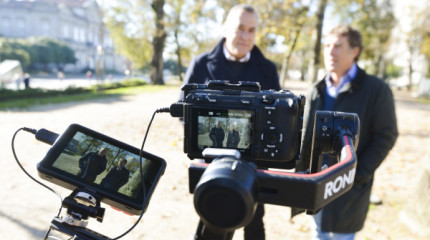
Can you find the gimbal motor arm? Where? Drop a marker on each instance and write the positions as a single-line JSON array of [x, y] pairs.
[[310, 191]]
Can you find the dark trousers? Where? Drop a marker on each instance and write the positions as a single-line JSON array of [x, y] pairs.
[[255, 229]]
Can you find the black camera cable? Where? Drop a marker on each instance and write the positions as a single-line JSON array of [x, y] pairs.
[[166, 110], [44, 136]]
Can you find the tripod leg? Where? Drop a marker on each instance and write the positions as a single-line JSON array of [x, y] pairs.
[[57, 232], [47, 234]]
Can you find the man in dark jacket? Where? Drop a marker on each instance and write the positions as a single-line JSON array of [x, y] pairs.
[[217, 135], [117, 176], [236, 58], [347, 88], [233, 138], [92, 164]]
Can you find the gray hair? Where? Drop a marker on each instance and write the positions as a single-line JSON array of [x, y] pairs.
[[237, 9]]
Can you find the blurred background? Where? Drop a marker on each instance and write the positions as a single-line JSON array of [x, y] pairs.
[[155, 40], [59, 46]]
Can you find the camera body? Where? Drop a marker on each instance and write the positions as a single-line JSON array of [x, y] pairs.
[[264, 126]]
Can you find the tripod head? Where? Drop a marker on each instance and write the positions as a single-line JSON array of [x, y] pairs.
[[81, 205]]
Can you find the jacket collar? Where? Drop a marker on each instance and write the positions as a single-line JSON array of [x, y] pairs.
[[217, 52], [349, 87], [216, 63]]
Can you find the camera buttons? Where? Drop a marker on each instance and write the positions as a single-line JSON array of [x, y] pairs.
[[212, 100], [267, 99], [271, 138], [274, 153]]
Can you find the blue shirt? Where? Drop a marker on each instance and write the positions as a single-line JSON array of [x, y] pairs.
[[332, 91]]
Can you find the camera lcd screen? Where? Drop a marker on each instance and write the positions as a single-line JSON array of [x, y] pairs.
[[83, 158], [225, 128]]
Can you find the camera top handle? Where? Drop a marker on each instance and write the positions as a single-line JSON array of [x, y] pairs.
[[223, 85]]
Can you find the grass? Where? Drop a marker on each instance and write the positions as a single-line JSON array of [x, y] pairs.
[[425, 100], [23, 99], [26, 103]]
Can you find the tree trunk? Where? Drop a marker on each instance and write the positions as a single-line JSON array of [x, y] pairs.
[[178, 54], [409, 87], [380, 67], [317, 49], [286, 60], [157, 62]]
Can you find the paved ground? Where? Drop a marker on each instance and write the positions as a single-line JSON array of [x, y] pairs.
[[26, 209]]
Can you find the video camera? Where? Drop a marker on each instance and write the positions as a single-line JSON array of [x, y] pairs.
[[266, 123], [235, 177]]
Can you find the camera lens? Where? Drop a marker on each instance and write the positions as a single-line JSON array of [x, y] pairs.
[[222, 207], [225, 195]]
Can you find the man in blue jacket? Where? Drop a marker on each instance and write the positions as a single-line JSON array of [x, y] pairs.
[[348, 88], [236, 58]]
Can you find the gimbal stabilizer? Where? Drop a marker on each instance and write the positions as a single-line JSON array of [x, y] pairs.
[[227, 190]]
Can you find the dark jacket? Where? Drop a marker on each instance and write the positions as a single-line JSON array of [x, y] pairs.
[[212, 66], [91, 165], [116, 178], [217, 136], [233, 139], [373, 101]]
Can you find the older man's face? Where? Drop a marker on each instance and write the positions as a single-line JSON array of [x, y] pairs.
[[240, 35]]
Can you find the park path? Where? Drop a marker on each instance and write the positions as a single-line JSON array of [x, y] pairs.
[[26, 209]]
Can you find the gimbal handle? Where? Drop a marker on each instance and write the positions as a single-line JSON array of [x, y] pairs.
[[300, 190], [310, 191]]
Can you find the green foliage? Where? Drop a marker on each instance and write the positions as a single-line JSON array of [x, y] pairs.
[[425, 46], [8, 95], [89, 144], [134, 82], [279, 20], [46, 51], [374, 19], [36, 50], [15, 54], [15, 51], [286, 23], [393, 71], [173, 67], [129, 24]]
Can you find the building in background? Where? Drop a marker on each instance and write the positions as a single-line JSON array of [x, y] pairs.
[[79, 23]]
